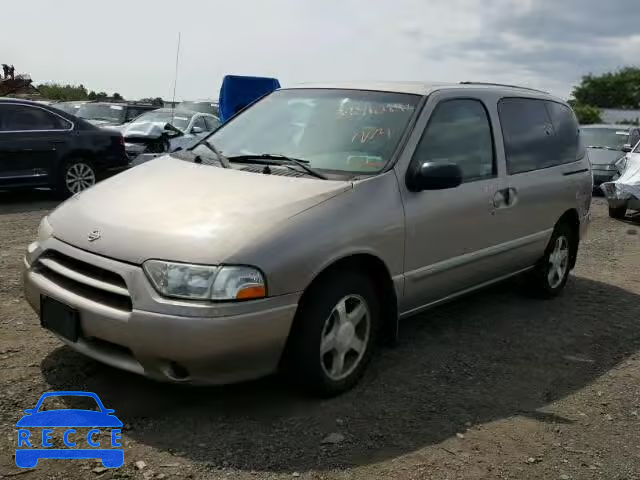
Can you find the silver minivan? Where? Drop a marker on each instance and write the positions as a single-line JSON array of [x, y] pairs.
[[296, 236]]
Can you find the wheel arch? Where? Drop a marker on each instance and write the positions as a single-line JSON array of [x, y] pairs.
[[571, 218], [374, 267]]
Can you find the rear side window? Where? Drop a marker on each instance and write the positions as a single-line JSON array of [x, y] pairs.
[[528, 133], [459, 131], [133, 113], [567, 132], [26, 118]]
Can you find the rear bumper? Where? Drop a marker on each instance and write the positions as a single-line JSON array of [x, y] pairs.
[[167, 340]]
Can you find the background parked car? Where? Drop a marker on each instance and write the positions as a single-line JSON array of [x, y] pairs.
[[41, 146], [70, 107], [148, 134], [203, 106], [606, 145], [624, 193], [105, 114]]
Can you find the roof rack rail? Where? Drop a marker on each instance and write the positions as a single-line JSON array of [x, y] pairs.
[[503, 85]]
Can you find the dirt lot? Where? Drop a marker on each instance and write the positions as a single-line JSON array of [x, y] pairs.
[[498, 385]]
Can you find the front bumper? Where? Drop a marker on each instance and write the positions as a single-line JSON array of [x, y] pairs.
[[204, 343]]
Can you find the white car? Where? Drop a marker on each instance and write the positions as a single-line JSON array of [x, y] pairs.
[[165, 130], [624, 193]]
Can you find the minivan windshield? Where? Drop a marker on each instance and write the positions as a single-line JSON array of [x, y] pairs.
[[351, 131], [610, 138]]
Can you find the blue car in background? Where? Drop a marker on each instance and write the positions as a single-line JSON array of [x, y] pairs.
[[68, 419]]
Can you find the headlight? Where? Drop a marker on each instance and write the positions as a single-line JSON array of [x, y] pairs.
[[203, 282], [45, 230]]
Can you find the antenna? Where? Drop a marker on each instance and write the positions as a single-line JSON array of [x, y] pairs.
[[175, 79]]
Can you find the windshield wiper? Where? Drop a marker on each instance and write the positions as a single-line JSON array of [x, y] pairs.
[[276, 158], [224, 161]]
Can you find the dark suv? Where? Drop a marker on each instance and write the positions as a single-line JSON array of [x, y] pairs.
[[41, 146]]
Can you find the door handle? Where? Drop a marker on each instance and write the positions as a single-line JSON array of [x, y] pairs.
[[505, 198]]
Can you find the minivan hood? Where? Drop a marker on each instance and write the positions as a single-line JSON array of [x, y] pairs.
[[173, 209], [600, 156]]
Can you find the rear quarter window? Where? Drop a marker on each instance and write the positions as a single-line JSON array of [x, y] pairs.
[[567, 132], [528, 134]]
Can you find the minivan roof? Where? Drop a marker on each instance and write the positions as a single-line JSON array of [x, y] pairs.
[[420, 88], [611, 126]]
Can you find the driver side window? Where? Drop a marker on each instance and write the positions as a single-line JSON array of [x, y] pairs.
[[459, 131]]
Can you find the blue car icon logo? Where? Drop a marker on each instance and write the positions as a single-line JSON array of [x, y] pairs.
[[32, 446]]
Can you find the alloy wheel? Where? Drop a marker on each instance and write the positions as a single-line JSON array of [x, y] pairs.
[[79, 177], [558, 262], [345, 337]]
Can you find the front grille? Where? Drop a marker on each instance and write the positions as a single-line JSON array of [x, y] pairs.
[[84, 279]]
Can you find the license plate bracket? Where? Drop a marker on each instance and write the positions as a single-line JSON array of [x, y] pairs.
[[60, 318]]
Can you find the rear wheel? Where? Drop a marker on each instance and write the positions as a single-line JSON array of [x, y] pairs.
[[618, 212], [77, 175], [552, 271], [334, 333]]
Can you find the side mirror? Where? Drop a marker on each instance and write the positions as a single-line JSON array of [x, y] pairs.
[[434, 176], [197, 130], [29, 411], [172, 131], [626, 148]]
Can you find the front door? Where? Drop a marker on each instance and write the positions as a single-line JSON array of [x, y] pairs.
[[454, 238], [30, 138]]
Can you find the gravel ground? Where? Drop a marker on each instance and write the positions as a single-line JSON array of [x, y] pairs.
[[497, 385]]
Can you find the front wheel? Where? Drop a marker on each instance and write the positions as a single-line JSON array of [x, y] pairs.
[[333, 335], [77, 175], [552, 271]]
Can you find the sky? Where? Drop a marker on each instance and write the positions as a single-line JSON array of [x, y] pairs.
[[130, 47]]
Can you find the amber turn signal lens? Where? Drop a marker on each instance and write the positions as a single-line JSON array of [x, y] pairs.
[[255, 291]]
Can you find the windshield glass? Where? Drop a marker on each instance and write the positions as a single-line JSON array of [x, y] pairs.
[[177, 119], [93, 111], [605, 137], [201, 107], [351, 131]]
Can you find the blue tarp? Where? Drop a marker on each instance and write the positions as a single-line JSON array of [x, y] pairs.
[[239, 91]]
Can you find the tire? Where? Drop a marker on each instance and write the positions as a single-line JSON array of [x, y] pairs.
[[618, 212], [325, 320], [552, 271], [76, 175]]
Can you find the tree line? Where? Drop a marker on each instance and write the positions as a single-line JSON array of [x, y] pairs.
[[619, 89], [66, 93]]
